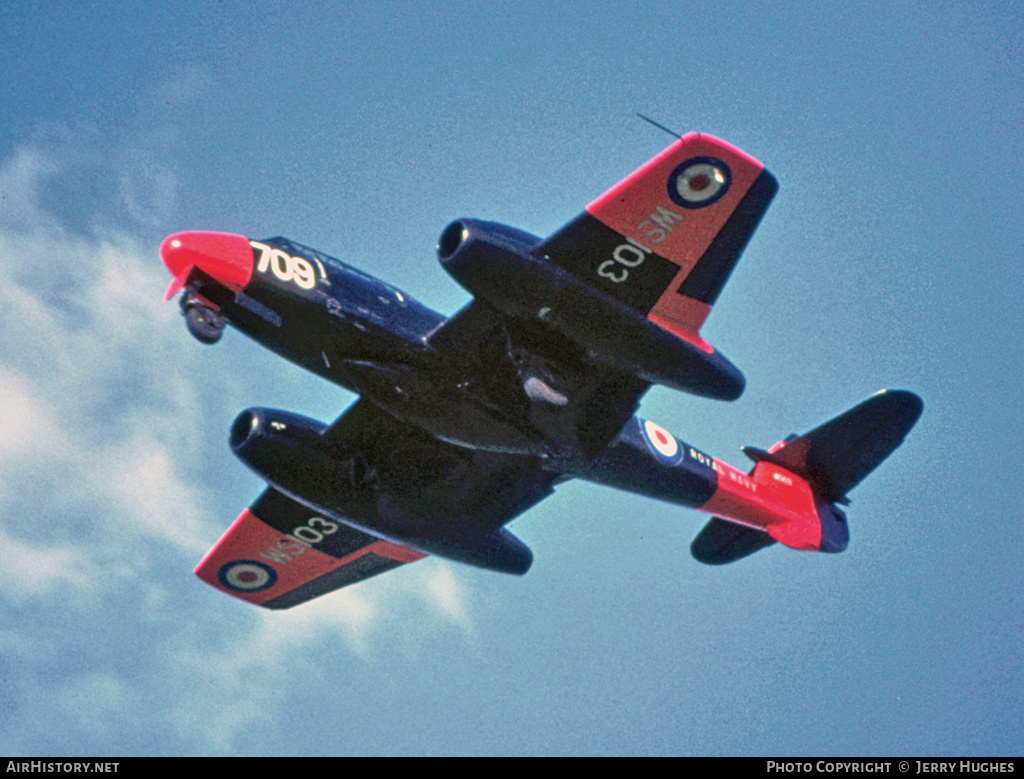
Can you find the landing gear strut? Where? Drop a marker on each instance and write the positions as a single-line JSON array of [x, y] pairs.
[[205, 324]]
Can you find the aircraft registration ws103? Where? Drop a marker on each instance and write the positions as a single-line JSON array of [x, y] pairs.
[[465, 422]]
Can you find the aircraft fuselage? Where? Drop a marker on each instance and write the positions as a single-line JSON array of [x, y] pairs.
[[465, 422], [373, 339]]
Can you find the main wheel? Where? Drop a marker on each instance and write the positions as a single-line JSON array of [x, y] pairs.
[[206, 325]]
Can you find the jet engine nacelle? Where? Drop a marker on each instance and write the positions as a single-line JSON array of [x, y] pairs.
[[504, 267], [290, 453], [275, 444]]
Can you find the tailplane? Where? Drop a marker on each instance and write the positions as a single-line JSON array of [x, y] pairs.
[[839, 454], [722, 541], [833, 459]]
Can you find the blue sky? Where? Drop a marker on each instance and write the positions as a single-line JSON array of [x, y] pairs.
[[890, 258]]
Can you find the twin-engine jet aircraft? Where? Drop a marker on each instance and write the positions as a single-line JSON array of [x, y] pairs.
[[465, 422]]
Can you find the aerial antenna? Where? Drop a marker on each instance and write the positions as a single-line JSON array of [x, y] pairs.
[[659, 126]]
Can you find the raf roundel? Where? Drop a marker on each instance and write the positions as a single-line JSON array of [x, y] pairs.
[[662, 443], [246, 576], [699, 182]]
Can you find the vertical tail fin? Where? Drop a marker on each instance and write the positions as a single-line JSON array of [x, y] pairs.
[[833, 459]]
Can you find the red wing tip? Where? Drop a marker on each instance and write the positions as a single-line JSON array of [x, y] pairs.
[[396, 552]]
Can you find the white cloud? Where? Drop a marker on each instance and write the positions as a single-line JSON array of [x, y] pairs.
[[28, 570], [107, 441], [79, 431], [239, 686], [26, 428], [445, 595], [96, 703], [20, 176]]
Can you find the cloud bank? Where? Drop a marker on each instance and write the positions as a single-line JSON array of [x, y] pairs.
[[110, 645]]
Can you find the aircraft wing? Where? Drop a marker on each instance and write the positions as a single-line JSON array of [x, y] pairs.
[[388, 493], [409, 486], [664, 240], [278, 554]]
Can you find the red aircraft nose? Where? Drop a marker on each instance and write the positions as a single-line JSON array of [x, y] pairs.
[[225, 256]]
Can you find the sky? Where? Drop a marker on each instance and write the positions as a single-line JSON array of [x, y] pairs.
[[891, 257]]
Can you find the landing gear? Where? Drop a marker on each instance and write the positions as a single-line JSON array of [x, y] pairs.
[[205, 324]]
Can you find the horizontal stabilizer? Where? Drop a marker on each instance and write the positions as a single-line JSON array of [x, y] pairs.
[[836, 456], [722, 542]]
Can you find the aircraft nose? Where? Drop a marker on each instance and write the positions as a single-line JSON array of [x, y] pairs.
[[227, 257]]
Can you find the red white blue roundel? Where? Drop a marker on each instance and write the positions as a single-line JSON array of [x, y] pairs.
[[699, 182], [663, 444], [246, 576]]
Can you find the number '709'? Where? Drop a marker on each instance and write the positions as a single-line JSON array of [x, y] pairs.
[[284, 266]]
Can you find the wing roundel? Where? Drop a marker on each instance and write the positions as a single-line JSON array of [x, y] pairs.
[[278, 554], [665, 239]]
